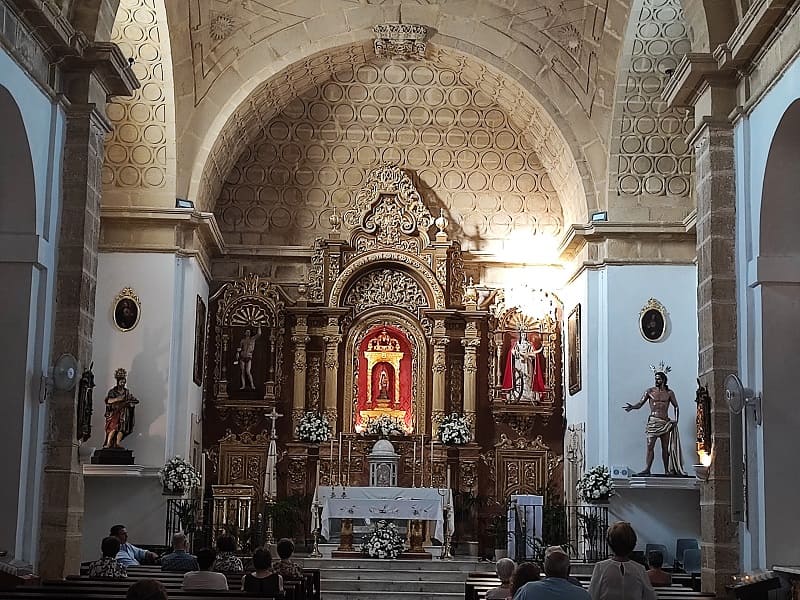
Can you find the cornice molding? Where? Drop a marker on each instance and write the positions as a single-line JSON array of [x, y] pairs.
[[753, 30], [694, 73], [578, 236], [184, 232]]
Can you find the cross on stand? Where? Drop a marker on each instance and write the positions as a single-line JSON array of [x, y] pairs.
[[271, 475]]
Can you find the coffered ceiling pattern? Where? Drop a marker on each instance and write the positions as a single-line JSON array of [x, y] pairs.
[[465, 153]]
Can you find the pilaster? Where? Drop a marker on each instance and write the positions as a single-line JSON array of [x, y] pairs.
[[439, 368], [300, 339], [470, 342]]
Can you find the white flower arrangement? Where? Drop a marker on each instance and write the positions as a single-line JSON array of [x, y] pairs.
[[314, 428], [177, 475], [385, 426], [596, 484], [454, 430], [385, 542]]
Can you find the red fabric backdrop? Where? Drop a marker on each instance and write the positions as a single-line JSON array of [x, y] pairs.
[[405, 373]]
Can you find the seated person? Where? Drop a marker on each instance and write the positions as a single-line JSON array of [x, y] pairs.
[[285, 567], [504, 569], [227, 561], [524, 573], [570, 578], [179, 560], [205, 578], [108, 567], [129, 555], [555, 584], [147, 589], [263, 581], [658, 577]]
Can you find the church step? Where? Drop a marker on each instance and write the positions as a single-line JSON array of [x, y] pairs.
[[394, 585], [392, 596], [403, 575], [459, 566]]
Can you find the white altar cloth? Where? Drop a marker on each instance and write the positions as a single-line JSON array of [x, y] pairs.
[[424, 504]]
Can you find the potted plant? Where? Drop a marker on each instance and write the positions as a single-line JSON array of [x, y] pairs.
[[591, 523], [498, 528]]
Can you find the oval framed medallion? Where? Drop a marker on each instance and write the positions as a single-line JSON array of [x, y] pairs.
[[126, 310], [653, 321]]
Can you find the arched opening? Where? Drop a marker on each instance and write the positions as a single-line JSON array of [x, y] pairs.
[[779, 289], [17, 309]]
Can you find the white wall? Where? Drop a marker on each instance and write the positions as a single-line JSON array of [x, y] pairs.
[[158, 355], [27, 268], [754, 135], [616, 363]]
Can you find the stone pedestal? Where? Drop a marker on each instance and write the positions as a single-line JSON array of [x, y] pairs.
[[112, 456]]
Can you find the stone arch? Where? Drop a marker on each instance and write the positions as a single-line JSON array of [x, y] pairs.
[[778, 288], [18, 271], [710, 23], [564, 127]]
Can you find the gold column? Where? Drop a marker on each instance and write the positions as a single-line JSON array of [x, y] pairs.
[[470, 342], [332, 338], [300, 339], [440, 341]]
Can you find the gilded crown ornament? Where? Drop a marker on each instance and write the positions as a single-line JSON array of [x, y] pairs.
[[120, 374], [660, 368]]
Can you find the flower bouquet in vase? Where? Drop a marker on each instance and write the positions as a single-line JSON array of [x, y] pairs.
[[385, 541], [454, 430], [178, 477], [313, 428], [596, 485]]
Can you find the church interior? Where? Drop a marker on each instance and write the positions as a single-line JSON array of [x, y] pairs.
[[526, 268]]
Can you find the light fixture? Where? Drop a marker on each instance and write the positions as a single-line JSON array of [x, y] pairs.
[[599, 216], [183, 203]]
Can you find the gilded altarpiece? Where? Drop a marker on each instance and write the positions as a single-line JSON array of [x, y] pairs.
[[385, 323]]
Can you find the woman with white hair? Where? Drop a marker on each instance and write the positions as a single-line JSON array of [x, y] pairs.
[[504, 568]]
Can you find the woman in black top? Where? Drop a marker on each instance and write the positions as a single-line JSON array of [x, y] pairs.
[[263, 581]]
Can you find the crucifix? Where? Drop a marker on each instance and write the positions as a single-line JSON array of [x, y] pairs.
[[274, 416]]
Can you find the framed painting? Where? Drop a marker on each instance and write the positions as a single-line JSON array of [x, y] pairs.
[[126, 310], [199, 341], [574, 350], [653, 321]]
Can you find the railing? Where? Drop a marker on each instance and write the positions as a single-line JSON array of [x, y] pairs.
[[580, 530]]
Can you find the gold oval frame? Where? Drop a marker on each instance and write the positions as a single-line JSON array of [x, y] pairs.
[[126, 295], [655, 306]]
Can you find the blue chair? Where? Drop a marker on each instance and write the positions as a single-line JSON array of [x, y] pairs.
[[681, 546], [691, 561]]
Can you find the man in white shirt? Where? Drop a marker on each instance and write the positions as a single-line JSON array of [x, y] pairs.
[[129, 555], [205, 578]]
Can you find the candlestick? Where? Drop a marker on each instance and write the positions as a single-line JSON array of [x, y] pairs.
[[414, 466], [448, 477], [330, 471], [349, 452], [316, 487], [431, 461], [422, 461], [339, 478]]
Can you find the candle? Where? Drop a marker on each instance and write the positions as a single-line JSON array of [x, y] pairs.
[[448, 477], [431, 461], [339, 478], [316, 487], [349, 452], [422, 461], [330, 471], [414, 466]]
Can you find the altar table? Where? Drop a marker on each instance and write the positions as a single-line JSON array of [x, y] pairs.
[[376, 503]]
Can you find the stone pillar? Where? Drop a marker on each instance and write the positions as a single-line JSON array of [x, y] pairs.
[[332, 338], [716, 306], [62, 494], [470, 342], [440, 341], [300, 339], [89, 81]]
